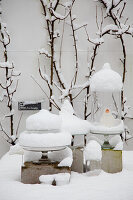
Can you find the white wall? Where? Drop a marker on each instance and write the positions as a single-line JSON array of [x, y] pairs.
[[26, 24]]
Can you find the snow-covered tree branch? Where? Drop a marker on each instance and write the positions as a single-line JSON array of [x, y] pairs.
[[114, 11], [51, 16], [91, 67], [118, 28], [8, 85], [56, 77]]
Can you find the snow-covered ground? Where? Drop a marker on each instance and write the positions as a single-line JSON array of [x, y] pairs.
[[86, 186]]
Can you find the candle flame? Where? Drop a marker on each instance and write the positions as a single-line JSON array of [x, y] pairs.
[[107, 110]]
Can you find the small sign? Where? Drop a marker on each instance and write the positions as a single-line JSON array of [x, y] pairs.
[[29, 105]]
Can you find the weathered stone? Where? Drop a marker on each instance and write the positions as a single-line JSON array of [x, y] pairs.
[[111, 160], [78, 159], [31, 172]]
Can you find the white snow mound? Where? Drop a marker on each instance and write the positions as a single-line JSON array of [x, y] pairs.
[[16, 149], [32, 156], [46, 179], [74, 125], [116, 142], [67, 107], [66, 162], [119, 146], [44, 140], [106, 80], [61, 178], [98, 128], [71, 123], [43, 120], [93, 151], [64, 156]]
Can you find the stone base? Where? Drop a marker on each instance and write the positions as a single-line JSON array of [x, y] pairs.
[[111, 160], [31, 172], [78, 160]]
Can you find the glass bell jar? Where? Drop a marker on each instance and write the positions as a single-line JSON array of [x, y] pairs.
[[106, 86]]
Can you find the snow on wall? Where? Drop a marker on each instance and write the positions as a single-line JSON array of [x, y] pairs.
[[25, 23]]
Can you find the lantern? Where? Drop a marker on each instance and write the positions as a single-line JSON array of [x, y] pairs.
[[106, 86]]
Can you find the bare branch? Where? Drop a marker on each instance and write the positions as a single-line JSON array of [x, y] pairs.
[[61, 43], [42, 51], [81, 26], [17, 129], [122, 9], [51, 100], [116, 107], [76, 51], [45, 79], [97, 19], [9, 139], [40, 86]]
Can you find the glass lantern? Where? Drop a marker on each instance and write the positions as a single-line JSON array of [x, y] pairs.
[[106, 87]]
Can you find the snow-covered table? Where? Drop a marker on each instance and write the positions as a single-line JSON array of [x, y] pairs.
[[43, 134]]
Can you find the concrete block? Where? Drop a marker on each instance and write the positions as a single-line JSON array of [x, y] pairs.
[[31, 172], [111, 160], [78, 160]]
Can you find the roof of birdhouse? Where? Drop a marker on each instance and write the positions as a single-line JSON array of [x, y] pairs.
[[106, 80]]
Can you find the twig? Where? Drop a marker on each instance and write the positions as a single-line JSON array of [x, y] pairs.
[[122, 9], [75, 47], [115, 103], [40, 86], [61, 43], [19, 123]]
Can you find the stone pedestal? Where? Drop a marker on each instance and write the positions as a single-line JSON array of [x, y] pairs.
[[31, 172], [111, 160], [78, 160]]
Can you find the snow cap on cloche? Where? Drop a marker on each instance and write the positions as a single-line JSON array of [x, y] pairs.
[[106, 80], [43, 120]]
